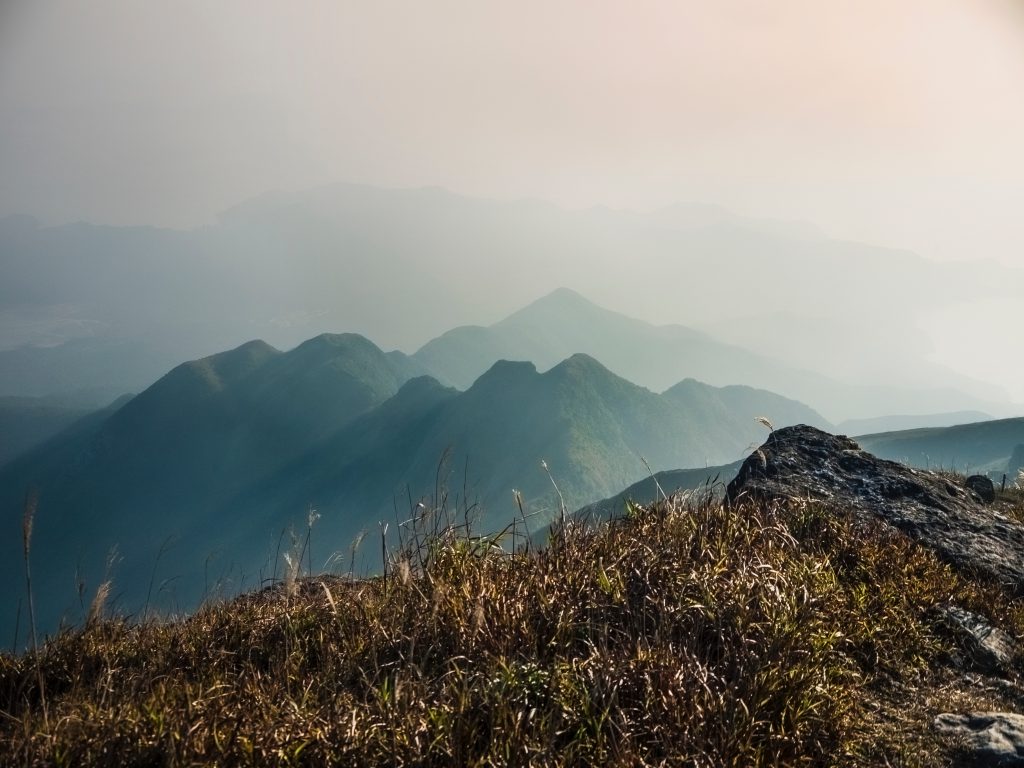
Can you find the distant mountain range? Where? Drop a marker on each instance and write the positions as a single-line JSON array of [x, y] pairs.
[[545, 332], [110, 309], [898, 422], [198, 478], [590, 427], [564, 322], [985, 447], [223, 453]]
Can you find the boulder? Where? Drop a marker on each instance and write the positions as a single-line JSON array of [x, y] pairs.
[[803, 462], [990, 738], [982, 486], [988, 648]]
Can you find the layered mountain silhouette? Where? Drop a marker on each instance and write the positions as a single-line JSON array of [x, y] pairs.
[[590, 426], [213, 461], [564, 322], [111, 308], [163, 463]]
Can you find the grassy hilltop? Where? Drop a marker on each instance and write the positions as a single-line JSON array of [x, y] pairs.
[[685, 633]]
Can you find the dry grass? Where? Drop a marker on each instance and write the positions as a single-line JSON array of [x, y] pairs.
[[684, 635], [1010, 501]]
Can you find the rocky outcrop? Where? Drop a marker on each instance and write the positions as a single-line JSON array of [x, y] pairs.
[[988, 738], [805, 463], [987, 648]]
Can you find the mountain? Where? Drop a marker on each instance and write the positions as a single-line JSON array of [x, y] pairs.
[[589, 426], [214, 462], [114, 307], [164, 463], [897, 423], [982, 447], [564, 322]]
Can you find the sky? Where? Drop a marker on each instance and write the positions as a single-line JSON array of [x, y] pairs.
[[896, 124]]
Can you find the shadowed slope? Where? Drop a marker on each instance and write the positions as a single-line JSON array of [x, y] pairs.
[[160, 468]]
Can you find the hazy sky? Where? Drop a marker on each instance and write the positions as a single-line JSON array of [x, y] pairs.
[[896, 123]]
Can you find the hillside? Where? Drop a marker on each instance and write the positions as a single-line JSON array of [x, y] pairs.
[[654, 488], [590, 427], [762, 632], [587, 425], [154, 472], [981, 447], [198, 479], [900, 422]]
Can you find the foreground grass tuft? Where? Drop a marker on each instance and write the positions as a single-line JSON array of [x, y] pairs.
[[683, 634]]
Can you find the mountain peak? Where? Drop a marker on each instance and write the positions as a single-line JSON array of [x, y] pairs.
[[337, 341], [561, 307], [222, 368], [254, 347], [565, 298], [505, 371], [554, 307], [332, 346], [579, 364], [201, 378], [563, 294]]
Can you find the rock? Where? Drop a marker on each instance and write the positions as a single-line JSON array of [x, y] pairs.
[[982, 486], [989, 648], [804, 462], [991, 738]]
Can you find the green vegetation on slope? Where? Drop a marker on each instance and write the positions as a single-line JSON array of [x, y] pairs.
[[590, 427], [215, 460], [983, 447], [680, 635], [154, 473]]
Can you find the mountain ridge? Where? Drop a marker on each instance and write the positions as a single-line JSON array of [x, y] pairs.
[[225, 451], [280, 270], [564, 322]]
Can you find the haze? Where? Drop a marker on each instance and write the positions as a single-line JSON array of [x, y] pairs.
[[896, 125]]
